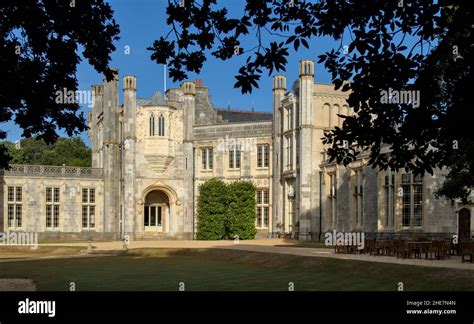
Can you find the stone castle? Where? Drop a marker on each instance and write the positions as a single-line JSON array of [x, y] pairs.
[[150, 156]]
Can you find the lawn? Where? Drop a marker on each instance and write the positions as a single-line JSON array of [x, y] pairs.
[[214, 269]]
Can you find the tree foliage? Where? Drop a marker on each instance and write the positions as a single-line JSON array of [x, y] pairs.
[[67, 151], [405, 45], [226, 210], [40, 43]]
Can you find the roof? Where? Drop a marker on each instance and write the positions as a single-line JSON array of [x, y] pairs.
[[156, 100], [240, 116]]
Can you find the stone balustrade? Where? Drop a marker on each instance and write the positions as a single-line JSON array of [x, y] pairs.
[[52, 171]]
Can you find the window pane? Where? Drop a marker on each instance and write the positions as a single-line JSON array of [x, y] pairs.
[[18, 216], [56, 194], [18, 194], [259, 216], [259, 156], [204, 158], [265, 197], [91, 216], [418, 205], [153, 216], [56, 216], [231, 158], [147, 216], [259, 197], [159, 209], [92, 196], [406, 178], [11, 214], [210, 158], [49, 209], [152, 125], [406, 206], [266, 160], [11, 194], [84, 196], [49, 194], [84, 216], [237, 157], [265, 216]]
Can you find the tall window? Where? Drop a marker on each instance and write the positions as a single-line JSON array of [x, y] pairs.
[[234, 157], [152, 125], [297, 139], [14, 208], [389, 188], [358, 196], [207, 156], [161, 126], [332, 198], [88, 208], [263, 208], [289, 152], [289, 118], [412, 200], [263, 155], [52, 207]]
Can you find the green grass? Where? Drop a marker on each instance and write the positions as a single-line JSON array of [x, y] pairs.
[[164, 269]]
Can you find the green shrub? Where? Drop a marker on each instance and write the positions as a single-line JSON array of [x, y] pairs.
[[226, 211], [241, 206], [211, 210]]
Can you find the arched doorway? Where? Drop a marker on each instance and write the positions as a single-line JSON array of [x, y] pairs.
[[156, 211], [464, 228]]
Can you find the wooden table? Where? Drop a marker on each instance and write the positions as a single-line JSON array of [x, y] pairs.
[[421, 247]]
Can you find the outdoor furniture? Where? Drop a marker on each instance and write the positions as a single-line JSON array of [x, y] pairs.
[[380, 247], [340, 249], [425, 247], [414, 248], [466, 249], [370, 246], [448, 247], [438, 249], [417, 248], [402, 249]]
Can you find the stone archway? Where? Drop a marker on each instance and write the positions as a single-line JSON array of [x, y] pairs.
[[156, 211], [158, 195]]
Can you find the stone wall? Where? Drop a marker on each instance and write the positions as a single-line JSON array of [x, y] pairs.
[[70, 186]]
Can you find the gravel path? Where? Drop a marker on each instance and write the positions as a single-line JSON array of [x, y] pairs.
[[17, 285]]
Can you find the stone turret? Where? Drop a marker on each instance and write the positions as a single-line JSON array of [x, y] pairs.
[[111, 152], [95, 131], [279, 90], [128, 150], [308, 175], [189, 103]]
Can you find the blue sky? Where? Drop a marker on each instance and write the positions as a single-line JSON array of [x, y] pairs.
[[142, 21]]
